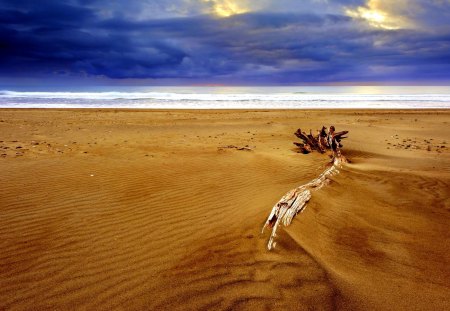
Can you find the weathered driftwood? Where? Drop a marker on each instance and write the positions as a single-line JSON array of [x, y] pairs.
[[295, 201], [322, 141]]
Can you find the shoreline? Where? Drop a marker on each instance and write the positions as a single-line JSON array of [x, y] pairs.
[[227, 109], [386, 110]]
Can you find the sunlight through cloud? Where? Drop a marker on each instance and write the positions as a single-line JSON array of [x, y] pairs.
[[226, 8], [376, 15]]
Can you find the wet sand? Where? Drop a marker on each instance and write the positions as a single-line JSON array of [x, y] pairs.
[[152, 210]]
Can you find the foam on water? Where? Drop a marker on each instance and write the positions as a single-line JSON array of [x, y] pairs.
[[206, 98]]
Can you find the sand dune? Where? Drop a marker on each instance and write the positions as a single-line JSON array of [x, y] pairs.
[[144, 210]]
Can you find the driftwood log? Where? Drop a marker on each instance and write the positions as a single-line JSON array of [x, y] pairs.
[[295, 201], [324, 140]]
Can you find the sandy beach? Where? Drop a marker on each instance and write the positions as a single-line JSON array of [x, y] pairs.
[[156, 210]]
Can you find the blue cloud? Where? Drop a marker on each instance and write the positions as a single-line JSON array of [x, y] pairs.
[[49, 39]]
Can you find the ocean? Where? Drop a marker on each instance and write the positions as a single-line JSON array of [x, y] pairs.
[[292, 97]]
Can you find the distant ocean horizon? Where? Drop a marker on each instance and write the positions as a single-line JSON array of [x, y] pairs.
[[221, 97]]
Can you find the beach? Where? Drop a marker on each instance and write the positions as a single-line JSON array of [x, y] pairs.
[[105, 209]]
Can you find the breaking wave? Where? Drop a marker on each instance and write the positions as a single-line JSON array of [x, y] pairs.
[[209, 100]]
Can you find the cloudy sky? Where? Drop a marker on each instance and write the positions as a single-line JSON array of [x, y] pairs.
[[193, 42]]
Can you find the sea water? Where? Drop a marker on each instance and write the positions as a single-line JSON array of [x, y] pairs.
[[221, 97]]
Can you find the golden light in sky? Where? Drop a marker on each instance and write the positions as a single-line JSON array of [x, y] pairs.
[[373, 17], [226, 8], [376, 15]]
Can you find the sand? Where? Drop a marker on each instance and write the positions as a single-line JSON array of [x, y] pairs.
[[145, 210]]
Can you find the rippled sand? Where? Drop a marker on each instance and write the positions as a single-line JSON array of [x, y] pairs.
[[133, 210]]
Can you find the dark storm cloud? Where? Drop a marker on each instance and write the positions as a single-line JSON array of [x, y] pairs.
[[97, 38]]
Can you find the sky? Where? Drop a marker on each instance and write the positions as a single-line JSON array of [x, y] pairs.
[[224, 42]]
